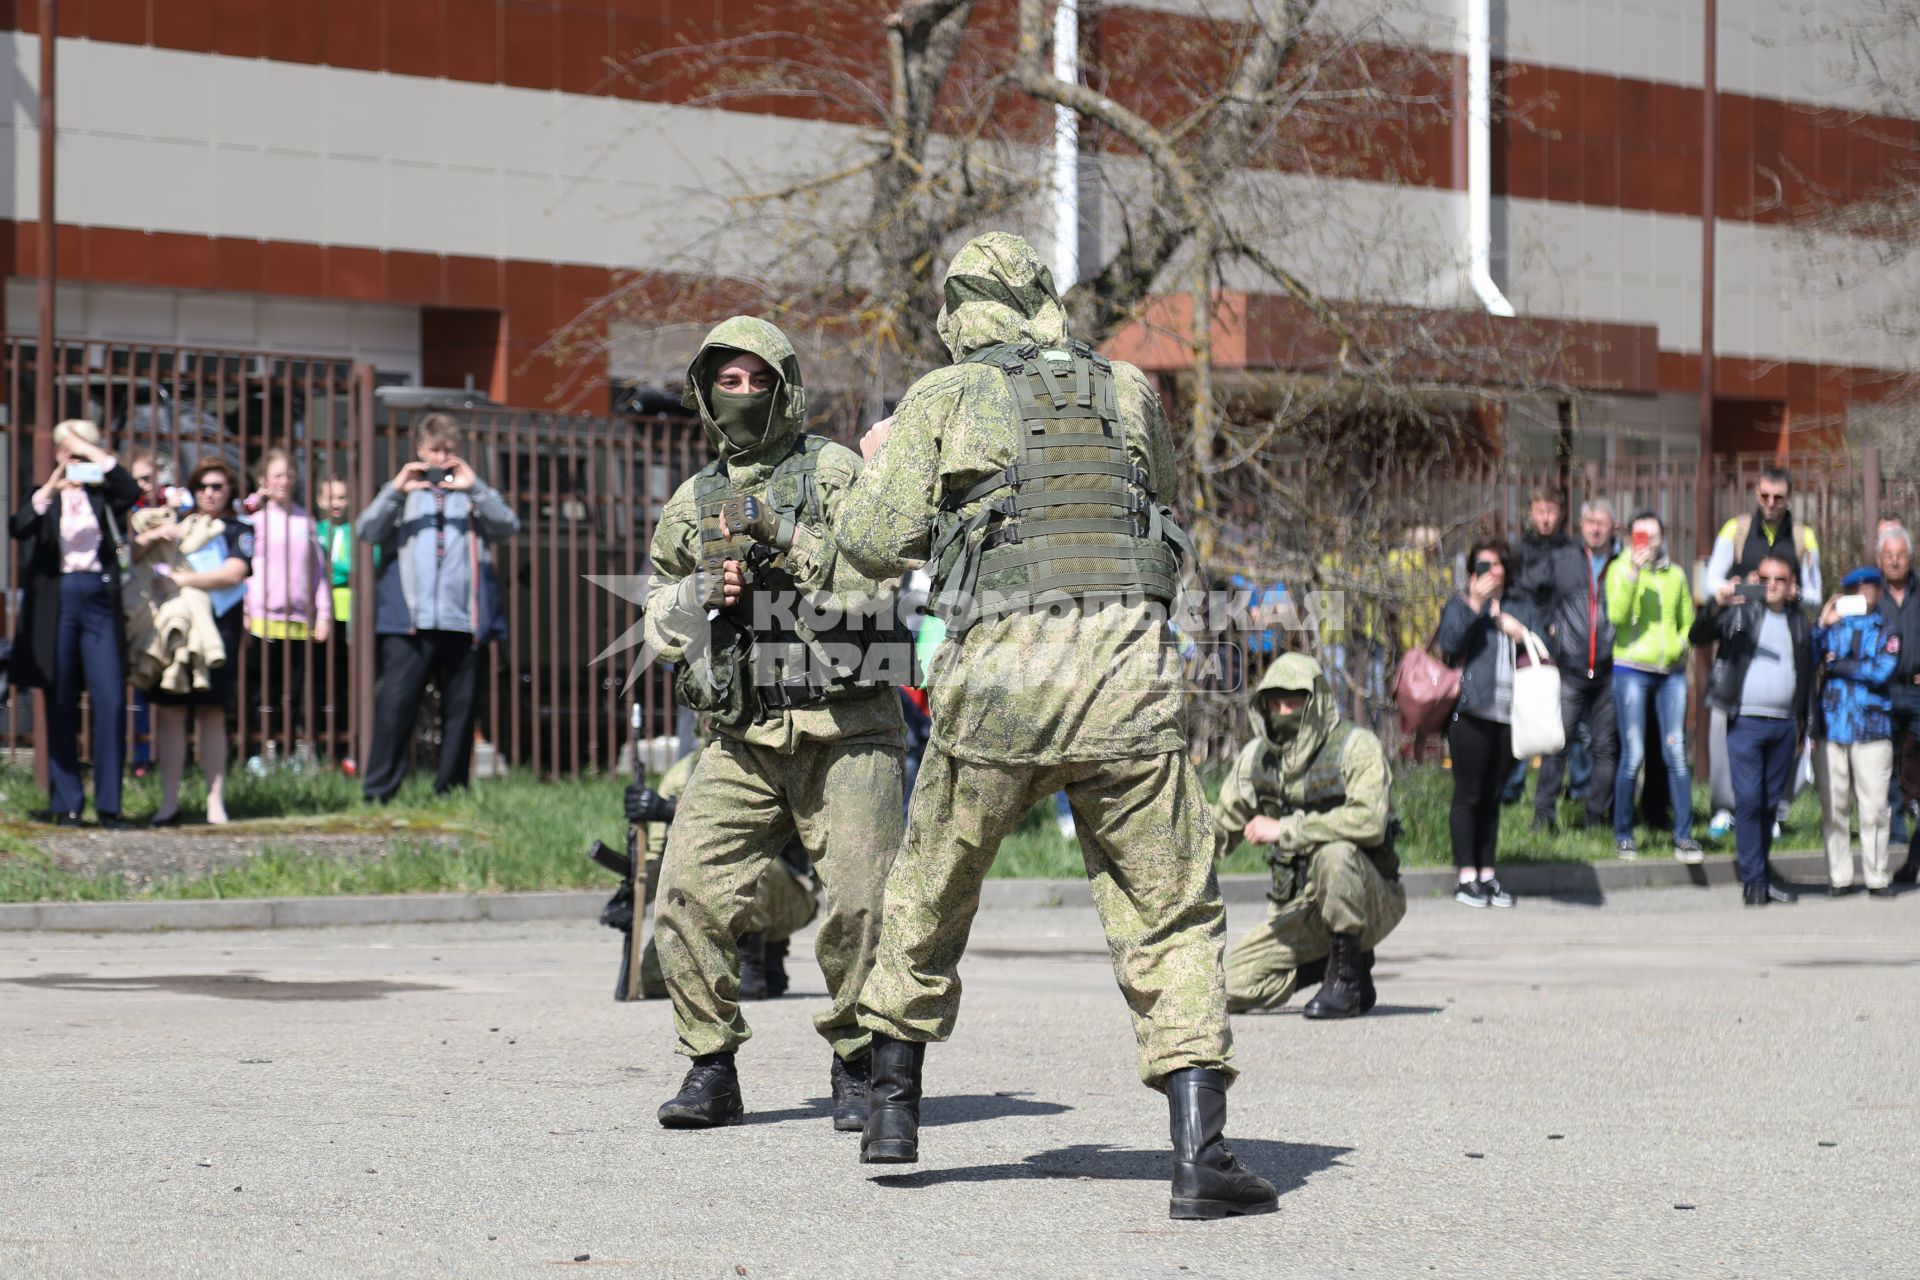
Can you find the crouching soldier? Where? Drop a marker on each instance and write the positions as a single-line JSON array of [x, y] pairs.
[[1314, 790], [784, 902]]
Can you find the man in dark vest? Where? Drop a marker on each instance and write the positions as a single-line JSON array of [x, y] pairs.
[[1742, 544], [1315, 792]]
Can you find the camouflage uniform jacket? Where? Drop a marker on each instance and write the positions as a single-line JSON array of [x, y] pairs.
[[1272, 780], [1025, 688], [813, 562]]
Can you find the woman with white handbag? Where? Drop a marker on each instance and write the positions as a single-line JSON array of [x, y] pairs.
[[1478, 633]]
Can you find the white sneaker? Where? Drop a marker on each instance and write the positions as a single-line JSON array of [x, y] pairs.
[[1689, 852]]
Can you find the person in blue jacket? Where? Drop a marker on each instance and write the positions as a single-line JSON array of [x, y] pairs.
[[1857, 652]]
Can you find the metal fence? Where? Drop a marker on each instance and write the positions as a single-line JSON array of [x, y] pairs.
[[1838, 495], [589, 491]]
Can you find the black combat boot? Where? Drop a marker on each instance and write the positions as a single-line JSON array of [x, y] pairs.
[[1372, 996], [709, 1097], [753, 967], [1208, 1181], [892, 1133], [775, 958], [1348, 990], [850, 1098]]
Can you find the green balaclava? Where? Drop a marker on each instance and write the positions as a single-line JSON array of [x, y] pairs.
[[1282, 727], [743, 418]]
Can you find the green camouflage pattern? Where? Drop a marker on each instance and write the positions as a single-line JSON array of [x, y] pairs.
[[1029, 688], [1342, 892], [784, 903], [813, 562], [1330, 871], [1142, 825], [842, 801]]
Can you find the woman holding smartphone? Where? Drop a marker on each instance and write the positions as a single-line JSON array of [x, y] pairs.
[[1477, 631], [1650, 605], [70, 636]]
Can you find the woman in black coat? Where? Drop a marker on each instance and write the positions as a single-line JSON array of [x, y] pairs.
[[1477, 631], [70, 636]]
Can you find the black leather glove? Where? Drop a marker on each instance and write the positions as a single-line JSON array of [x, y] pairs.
[[644, 804]]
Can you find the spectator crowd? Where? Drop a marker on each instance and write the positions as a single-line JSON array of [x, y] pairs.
[[1800, 689], [131, 582]]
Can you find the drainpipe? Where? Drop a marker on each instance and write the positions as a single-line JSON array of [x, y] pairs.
[[1709, 215], [1480, 159], [1066, 150]]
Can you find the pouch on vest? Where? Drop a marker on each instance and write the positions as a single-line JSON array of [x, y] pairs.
[[717, 680]]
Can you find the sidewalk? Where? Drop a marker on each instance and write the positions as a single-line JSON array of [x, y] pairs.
[[1577, 881]]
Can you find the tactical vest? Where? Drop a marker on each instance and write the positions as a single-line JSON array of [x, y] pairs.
[[1073, 516], [787, 662], [1324, 788]]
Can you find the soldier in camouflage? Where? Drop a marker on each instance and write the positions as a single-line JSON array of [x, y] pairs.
[[784, 902], [1313, 789], [1026, 475], [807, 741]]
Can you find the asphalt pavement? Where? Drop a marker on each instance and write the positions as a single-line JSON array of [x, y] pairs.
[[1664, 1084]]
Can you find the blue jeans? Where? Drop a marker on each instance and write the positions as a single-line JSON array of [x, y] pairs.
[[86, 658], [1760, 751], [1631, 692], [1579, 761]]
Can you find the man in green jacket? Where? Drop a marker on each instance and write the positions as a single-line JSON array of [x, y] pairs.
[[785, 646], [1028, 475], [1651, 607], [1315, 791]]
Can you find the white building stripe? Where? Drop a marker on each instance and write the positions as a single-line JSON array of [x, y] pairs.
[[152, 139]]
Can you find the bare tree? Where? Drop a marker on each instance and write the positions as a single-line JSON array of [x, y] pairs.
[[1861, 237], [1246, 148]]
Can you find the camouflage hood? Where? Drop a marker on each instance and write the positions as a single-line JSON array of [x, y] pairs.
[[756, 337], [1296, 671], [997, 290]]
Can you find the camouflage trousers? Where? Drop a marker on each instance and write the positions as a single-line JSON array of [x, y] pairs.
[[1148, 846], [1343, 892], [783, 905], [741, 807]]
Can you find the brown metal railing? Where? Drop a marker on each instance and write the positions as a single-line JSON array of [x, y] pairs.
[[590, 490]]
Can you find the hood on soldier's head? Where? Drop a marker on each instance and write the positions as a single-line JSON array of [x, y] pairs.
[[1296, 672], [998, 290], [760, 338]]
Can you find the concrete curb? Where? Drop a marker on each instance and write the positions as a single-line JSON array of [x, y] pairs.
[[1581, 881]]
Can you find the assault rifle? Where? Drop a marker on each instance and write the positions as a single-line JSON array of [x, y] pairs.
[[626, 909]]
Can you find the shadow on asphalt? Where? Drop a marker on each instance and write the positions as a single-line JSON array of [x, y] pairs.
[[227, 986], [1287, 1165], [1378, 1011], [945, 1109]]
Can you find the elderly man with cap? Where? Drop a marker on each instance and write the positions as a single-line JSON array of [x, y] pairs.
[[1858, 649], [1315, 791]]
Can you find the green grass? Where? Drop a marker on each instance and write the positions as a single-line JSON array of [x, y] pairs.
[[512, 833], [522, 833]]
